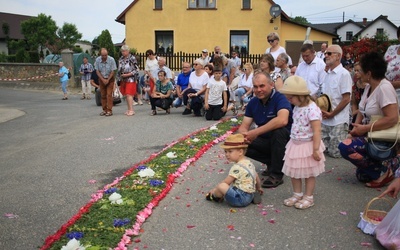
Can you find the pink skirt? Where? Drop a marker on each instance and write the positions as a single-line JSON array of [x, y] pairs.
[[299, 162]]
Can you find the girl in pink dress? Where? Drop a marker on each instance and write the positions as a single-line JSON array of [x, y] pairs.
[[304, 155]]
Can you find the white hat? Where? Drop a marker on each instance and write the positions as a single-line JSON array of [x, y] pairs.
[[204, 51]]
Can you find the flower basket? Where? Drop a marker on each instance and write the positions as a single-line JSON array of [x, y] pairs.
[[371, 218]]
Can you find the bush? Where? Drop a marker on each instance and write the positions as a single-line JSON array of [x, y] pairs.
[[3, 57]]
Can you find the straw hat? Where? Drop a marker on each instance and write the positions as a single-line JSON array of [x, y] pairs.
[[324, 103], [234, 141], [295, 85]]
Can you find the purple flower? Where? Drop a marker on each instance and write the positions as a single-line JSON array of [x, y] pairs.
[[111, 190], [75, 235], [215, 134], [141, 167], [175, 162], [155, 183], [121, 222]]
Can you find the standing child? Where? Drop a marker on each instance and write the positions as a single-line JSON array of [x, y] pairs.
[[242, 175], [304, 157], [216, 99]]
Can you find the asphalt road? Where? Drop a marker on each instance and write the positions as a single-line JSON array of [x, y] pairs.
[[49, 154]]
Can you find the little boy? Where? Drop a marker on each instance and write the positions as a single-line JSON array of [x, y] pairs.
[[246, 187], [216, 98]]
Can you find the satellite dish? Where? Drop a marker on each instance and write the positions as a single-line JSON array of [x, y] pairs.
[[275, 10]]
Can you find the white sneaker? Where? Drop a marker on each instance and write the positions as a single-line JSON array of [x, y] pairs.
[[135, 103], [140, 102]]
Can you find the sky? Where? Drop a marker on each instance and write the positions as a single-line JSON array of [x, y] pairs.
[[92, 17]]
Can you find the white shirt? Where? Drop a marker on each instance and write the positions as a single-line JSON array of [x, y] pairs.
[[275, 55], [314, 74], [151, 64], [337, 82], [215, 91], [246, 82], [197, 82], [321, 55]]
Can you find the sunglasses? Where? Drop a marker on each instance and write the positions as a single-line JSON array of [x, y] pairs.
[[195, 64], [271, 41], [329, 53]]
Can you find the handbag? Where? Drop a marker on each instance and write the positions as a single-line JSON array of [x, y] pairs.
[[388, 231], [116, 95], [390, 134], [380, 144]]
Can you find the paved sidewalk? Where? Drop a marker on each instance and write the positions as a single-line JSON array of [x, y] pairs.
[[185, 220]]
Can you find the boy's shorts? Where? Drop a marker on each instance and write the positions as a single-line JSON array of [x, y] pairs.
[[238, 198]]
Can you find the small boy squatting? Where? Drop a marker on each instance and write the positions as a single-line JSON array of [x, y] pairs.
[[246, 185]]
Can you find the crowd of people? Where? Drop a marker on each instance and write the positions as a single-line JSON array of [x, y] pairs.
[[284, 126]]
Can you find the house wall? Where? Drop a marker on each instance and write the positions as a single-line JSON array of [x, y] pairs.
[[380, 24], [348, 27], [195, 30]]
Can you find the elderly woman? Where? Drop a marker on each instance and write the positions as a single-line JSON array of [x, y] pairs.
[[161, 95], [275, 50], [63, 74], [128, 75], [392, 57], [267, 65], [196, 89], [379, 98], [245, 86]]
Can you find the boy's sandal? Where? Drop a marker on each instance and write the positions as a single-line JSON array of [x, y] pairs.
[[130, 113], [108, 114], [211, 197], [103, 113], [305, 203], [292, 200]]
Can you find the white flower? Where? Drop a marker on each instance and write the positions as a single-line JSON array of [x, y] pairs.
[[171, 155], [234, 120], [213, 128], [115, 198], [73, 245], [196, 139], [147, 172]]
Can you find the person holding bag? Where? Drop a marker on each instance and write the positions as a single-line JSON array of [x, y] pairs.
[[388, 231], [161, 96], [379, 98]]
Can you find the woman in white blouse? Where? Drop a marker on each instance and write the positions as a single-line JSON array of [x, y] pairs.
[[245, 86]]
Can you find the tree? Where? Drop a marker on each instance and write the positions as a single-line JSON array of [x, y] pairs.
[[300, 20], [39, 31], [105, 41], [68, 35]]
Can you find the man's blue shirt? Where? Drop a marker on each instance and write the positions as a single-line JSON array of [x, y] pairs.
[[183, 80], [263, 113]]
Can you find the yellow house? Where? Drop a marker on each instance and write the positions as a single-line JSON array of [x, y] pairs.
[[193, 25]]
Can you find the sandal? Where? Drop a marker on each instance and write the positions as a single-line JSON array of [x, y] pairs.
[[305, 203], [211, 197], [378, 184], [64, 98], [88, 98], [109, 114], [103, 113], [272, 182], [292, 200], [130, 113], [153, 113]]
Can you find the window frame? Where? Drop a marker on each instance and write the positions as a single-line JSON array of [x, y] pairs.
[[349, 35], [208, 4], [239, 33], [246, 2], [158, 39], [158, 2]]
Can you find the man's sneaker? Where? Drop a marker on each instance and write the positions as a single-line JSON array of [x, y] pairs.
[[135, 103], [187, 112]]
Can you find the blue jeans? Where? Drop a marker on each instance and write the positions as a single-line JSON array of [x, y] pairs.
[[64, 86], [240, 92], [237, 197], [177, 102]]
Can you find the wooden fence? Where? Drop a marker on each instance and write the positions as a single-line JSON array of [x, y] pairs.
[[174, 61]]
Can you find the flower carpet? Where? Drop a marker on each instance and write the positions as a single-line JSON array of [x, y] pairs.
[[114, 215]]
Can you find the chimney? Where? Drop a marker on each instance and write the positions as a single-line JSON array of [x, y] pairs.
[[364, 21]]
